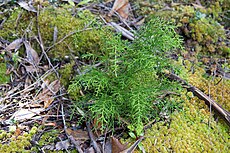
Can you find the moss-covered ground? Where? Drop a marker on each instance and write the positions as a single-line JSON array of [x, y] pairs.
[[190, 126], [195, 128]]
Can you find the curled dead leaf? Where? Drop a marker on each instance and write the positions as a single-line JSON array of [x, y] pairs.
[[31, 54], [121, 7], [117, 146], [48, 93], [15, 45]]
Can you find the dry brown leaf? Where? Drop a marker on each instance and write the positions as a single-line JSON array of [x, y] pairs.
[[117, 146], [17, 132], [55, 86], [32, 55], [47, 95], [79, 135], [14, 45], [121, 7], [31, 69]]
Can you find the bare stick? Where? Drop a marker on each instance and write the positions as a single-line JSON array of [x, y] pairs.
[[42, 45], [70, 34], [210, 102], [76, 144], [92, 138]]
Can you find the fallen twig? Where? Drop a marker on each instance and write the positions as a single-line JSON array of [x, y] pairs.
[[70, 34], [123, 31], [133, 147], [70, 137], [210, 102], [42, 45], [92, 138], [28, 88]]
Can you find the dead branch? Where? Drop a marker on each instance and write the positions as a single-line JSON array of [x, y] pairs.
[[208, 101]]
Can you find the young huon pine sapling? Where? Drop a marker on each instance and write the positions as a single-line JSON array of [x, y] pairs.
[[126, 83]]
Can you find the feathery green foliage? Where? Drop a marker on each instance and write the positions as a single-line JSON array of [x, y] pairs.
[[126, 83]]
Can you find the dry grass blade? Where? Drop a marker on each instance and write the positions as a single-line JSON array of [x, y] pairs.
[[27, 6], [55, 35], [24, 114]]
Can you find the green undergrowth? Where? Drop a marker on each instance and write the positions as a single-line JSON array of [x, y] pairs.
[[126, 82], [20, 143], [3, 77]]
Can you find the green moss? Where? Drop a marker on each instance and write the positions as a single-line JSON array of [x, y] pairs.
[[48, 138], [3, 77], [65, 72], [189, 130], [207, 33], [16, 24], [84, 41], [20, 143], [200, 26], [194, 128]]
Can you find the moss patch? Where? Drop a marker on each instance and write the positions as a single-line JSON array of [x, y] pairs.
[[3, 77], [86, 38], [12, 143], [191, 130], [194, 129], [200, 26]]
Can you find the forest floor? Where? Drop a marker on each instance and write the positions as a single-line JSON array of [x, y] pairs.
[[114, 76]]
